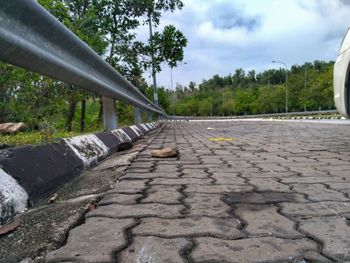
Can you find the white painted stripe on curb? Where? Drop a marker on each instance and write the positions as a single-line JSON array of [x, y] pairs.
[[149, 126], [136, 130], [121, 135], [88, 148], [13, 198], [144, 126]]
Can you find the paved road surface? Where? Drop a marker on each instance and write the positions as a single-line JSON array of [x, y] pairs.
[[278, 192]]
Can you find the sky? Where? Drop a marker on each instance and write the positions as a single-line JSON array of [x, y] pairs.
[[224, 35]]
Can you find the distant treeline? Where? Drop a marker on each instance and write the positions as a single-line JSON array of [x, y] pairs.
[[251, 93]]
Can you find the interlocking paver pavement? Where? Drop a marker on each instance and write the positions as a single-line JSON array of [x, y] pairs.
[[93, 241], [279, 192]]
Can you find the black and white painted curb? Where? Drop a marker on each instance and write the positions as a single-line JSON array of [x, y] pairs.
[[30, 173]]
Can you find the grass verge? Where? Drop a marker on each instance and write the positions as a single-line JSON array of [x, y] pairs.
[[37, 137]]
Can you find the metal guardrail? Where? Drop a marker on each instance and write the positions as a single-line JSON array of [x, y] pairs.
[[299, 113], [30, 37]]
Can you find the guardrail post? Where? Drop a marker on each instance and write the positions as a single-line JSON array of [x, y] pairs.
[[109, 114], [138, 117], [149, 116]]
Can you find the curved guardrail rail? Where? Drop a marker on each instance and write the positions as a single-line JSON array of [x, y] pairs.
[[30, 37]]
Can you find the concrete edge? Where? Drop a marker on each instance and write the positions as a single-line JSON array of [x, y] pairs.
[[30, 173]]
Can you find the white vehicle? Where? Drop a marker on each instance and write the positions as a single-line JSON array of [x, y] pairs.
[[341, 78]]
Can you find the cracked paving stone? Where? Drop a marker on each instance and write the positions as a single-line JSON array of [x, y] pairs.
[[315, 209], [194, 171], [235, 170], [139, 170], [262, 249], [200, 175], [263, 197], [147, 165], [199, 166], [340, 173], [228, 179], [339, 186], [302, 159], [151, 175], [267, 167], [217, 189], [180, 181], [308, 172], [138, 210], [265, 220], [318, 192], [207, 205], [154, 250], [334, 234], [346, 191], [166, 167], [222, 153], [129, 186], [311, 179], [328, 168], [94, 241], [126, 199], [269, 174], [211, 159], [334, 161], [236, 164], [268, 184], [163, 194], [197, 226]]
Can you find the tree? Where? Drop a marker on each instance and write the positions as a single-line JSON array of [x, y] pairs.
[[169, 45], [83, 19], [251, 76], [238, 78], [152, 10], [192, 86]]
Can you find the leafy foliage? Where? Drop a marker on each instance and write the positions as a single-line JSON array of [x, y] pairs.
[[108, 27], [252, 93]]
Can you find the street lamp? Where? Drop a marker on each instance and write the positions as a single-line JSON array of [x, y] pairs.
[[171, 85], [305, 90], [279, 62]]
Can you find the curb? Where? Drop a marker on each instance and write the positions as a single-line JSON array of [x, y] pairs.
[[31, 173]]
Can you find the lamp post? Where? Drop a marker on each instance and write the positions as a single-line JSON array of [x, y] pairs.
[[211, 104], [284, 64], [171, 85], [305, 90], [223, 103]]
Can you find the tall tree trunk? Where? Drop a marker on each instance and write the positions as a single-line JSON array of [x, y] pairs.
[[70, 114], [82, 117]]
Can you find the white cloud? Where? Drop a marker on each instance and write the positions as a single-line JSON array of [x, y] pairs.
[[227, 34]]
